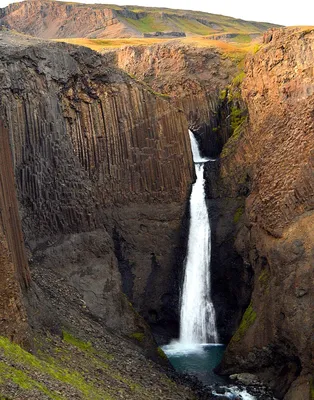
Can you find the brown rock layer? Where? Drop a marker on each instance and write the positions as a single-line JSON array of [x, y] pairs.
[[49, 19], [192, 77], [13, 261], [276, 151]]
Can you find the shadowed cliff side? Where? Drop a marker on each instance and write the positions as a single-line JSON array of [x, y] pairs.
[[98, 159], [275, 151], [14, 269]]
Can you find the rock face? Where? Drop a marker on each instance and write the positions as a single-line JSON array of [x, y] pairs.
[[191, 76], [103, 171], [54, 19], [164, 34], [49, 19], [276, 152], [13, 261]]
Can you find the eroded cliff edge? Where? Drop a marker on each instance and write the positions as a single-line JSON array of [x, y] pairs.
[[191, 76], [275, 153]]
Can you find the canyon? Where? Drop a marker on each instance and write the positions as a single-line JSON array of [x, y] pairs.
[[272, 214], [95, 176]]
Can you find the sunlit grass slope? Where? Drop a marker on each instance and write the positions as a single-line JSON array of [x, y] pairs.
[[151, 19]]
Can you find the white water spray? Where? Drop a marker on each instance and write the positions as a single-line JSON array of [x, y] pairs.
[[198, 322]]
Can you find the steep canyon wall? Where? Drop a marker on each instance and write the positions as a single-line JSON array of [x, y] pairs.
[[275, 153], [193, 79], [14, 269], [103, 170], [191, 76]]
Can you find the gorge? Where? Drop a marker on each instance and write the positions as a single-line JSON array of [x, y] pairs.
[[96, 173]]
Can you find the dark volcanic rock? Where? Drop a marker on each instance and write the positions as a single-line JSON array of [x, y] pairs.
[[164, 34], [231, 279], [192, 77], [100, 162]]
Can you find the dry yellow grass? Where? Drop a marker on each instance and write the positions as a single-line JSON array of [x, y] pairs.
[[231, 49], [106, 44]]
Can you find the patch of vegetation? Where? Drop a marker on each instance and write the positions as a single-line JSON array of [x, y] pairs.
[[236, 118], [238, 214], [264, 277], [139, 336], [31, 364], [147, 24], [190, 26], [237, 122], [256, 48], [237, 80], [223, 95], [83, 346], [242, 38], [232, 50], [247, 321], [107, 44], [20, 378], [161, 353], [80, 344], [305, 31]]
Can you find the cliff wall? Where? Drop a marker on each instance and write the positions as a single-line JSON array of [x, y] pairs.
[[48, 19], [103, 170], [275, 153], [14, 269], [191, 76]]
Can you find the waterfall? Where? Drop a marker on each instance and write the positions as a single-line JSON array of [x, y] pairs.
[[198, 322], [197, 351]]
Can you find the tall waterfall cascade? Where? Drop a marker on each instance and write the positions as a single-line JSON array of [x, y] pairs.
[[198, 350], [197, 315]]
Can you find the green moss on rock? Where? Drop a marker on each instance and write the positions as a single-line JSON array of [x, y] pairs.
[[80, 344], [139, 336], [247, 321], [33, 365], [21, 379], [264, 277], [239, 212], [161, 353], [237, 80], [237, 118]]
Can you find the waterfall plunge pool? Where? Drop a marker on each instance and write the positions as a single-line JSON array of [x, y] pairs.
[[198, 360]]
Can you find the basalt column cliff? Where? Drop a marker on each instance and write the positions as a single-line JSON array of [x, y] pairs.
[[275, 153], [103, 170]]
